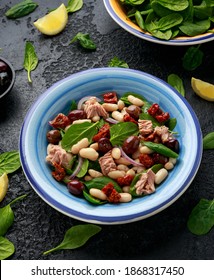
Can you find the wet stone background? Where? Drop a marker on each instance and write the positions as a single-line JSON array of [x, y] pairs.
[[37, 226]]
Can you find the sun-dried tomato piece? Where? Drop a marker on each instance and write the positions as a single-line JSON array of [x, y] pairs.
[[146, 160], [156, 112], [110, 97], [112, 195], [104, 132], [60, 121], [125, 181], [59, 172], [128, 118]]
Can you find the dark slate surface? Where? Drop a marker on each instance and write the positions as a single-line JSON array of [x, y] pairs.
[[37, 226]]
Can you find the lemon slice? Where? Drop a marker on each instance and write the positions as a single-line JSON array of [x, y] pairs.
[[54, 22], [3, 186], [203, 89]]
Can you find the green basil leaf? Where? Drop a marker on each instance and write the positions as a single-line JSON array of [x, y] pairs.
[[21, 9], [116, 62], [193, 58], [100, 182], [6, 248], [208, 141], [76, 237], [74, 5], [9, 162], [30, 59], [201, 219], [76, 132], [84, 40], [176, 82], [120, 131]]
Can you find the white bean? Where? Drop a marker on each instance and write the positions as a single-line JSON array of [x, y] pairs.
[[116, 153], [160, 176], [89, 153], [122, 160], [130, 172], [88, 178], [94, 146], [97, 194], [145, 150], [96, 118], [126, 189], [117, 116], [83, 143], [121, 105], [169, 165], [135, 101], [81, 121], [123, 167], [125, 197], [109, 107], [173, 160], [94, 173], [116, 174]]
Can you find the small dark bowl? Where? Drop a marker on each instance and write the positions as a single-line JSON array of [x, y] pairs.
[[7, 77]]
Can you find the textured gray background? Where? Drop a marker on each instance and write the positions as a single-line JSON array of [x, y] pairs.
[[37, 226]]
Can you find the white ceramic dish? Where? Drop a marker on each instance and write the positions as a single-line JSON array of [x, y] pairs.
[[58, 98]]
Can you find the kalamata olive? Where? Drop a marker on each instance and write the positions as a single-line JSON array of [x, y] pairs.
[[76, 115], [104, 145], [158, 158], [75, 187], [131, 144], [54, 136], [134, 111], [173, 144]]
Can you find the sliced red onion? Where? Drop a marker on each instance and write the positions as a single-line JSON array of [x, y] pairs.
[[133, 162], [78, 168], [111, 120], [82, 100]]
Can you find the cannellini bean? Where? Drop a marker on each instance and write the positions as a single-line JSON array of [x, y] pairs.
[[109, 107], [122, 160], [123, 167], [89, 153], [130, 172], [116, 174], [81, 121], [94, 146], [96, 118], [116, 153], [117, 116], [126, 189], [145, 150], [83, 143], [160, 176], [173, 160], [97, 194], [94, 173], [88, 178], [121, 105], [125, 197], [169, 165], [135, 101]]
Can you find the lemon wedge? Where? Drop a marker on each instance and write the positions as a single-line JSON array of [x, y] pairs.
[[203, 89], [54, 22], [3, 185]]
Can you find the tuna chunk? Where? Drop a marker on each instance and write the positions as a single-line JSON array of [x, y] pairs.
[[92, 108], [163, 133], [146, 183], [145, 127], [56, 154], [107, 163]]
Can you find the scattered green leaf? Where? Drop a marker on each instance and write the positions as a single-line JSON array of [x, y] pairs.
[[6, 248], [84, 40], [9, 162], [176, 82], [30, 59], [116, 62], [193, 58], [74, 5], [21, 9], [208, 141]]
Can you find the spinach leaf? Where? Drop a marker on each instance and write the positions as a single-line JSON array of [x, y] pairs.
[[76, 237], [169, 21], [92, 199], [133, 2], [120, 131], [201, 219], [193, 29], [116, 62], [203, 11], [6, 248], [84, 40], [21, 9], [192, 58], [9, 162], [100, 182], [208, 141], [76, 132], [176, 82], [30, 59], [7, 216], [139, 20], [84, 168], [174, 5], [74, 5]]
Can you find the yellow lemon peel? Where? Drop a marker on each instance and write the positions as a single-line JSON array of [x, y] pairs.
[[203, 89]]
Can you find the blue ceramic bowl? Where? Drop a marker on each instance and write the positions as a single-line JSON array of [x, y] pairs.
[[58, 98], [118, 14]]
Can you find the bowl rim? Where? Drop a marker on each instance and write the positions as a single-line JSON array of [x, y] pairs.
[[13, 76], [119, 219], [180, 41]]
